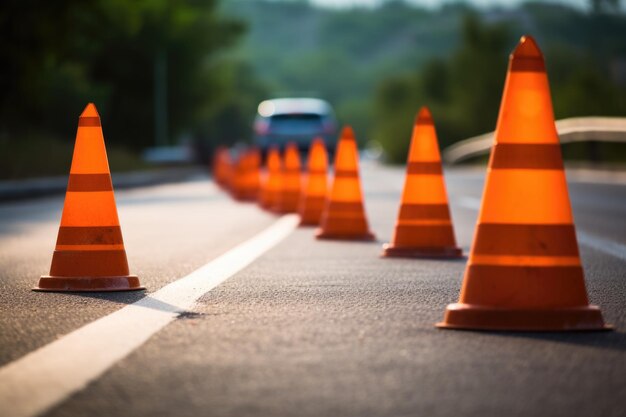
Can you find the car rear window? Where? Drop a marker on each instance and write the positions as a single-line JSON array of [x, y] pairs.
[[297, 123]]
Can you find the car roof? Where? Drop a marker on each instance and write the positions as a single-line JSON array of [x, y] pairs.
[[276, 106]]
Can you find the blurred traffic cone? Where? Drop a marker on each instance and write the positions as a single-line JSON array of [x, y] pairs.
[[524, 272], [221, 160], [247, 176], [227, 170], [424, 227], [291, 181], [273, 180], [89, 253], [314, 195], [344, 215]]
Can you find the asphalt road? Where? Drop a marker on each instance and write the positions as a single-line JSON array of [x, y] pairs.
[[316, 328]]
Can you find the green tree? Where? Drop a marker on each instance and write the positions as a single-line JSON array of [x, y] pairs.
[[59, 55]]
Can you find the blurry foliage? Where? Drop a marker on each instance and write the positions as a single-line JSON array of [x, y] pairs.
[[59, 55], [339, 54], [464, 91], [39, 155], [377, 66]]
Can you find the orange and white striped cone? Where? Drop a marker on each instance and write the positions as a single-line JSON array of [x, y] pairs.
[[314, 194], [272, 184], [89, 253], [424, 227], [524, 271], [291, 181], [344, 215]]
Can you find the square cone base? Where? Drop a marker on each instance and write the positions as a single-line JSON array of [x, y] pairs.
[[471, 317], [390, 251], [366, 237], [88, 284]]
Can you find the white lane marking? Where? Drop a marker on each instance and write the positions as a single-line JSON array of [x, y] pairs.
[[45, 377], [608, 247]]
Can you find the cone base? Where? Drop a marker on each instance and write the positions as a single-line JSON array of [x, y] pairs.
[[88, 284], [426, 252], [472, 317], [335, 236], [308, 223], [246, 197], [282, 210]]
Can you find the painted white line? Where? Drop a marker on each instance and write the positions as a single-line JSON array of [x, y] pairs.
[[608, 247], [45, 377]]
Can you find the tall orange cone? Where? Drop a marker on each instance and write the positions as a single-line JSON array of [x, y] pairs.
[[424, 227], [291, 181], [89, 253], [273, 180], [524, 272], [314, 194], [344, 214]]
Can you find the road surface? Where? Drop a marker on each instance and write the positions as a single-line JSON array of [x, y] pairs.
[[289, 326]]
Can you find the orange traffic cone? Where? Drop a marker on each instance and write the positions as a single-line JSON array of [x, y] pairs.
[[89, 253], [291, 181], [344, 215], [247, 176], [221, 162], [238, 172], [424, 227], [273, 180], [314, 196], [524, 272]]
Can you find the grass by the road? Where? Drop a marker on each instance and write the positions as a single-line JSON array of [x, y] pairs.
[[39, 156]]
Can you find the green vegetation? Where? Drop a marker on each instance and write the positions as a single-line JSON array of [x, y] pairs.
[[39, 156], [340, 55], [59, 55], [464, 91], [378, 66], [217, 60]]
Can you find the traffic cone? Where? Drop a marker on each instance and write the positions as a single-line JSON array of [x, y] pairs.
[[227, 170], [221, 160], [524, 271], [247, 176], [314, 195], [89, 253], [344, 215], [273, 179], [291, 181], [424, 227], [236, 181]]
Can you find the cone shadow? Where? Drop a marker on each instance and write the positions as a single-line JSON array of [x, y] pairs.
[[615, 341], [140, 299]]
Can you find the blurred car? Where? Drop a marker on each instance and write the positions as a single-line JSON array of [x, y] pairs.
[[300, 120]]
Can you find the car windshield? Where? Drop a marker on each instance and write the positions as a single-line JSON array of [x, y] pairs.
[[296, 124]]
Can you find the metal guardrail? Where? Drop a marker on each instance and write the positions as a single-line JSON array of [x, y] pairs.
[[575, 129]]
